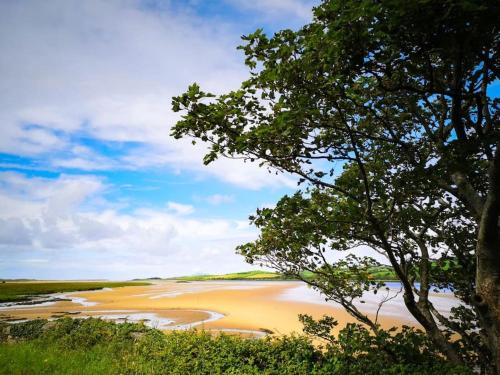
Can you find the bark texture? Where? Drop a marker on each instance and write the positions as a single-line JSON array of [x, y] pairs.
[[488, 262]]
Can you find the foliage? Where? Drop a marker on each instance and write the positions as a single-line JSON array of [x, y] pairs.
[[27, 330], [357, 350], [17, 291], [383, 110], [95, 346]]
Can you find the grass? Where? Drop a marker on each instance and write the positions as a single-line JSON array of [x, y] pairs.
[[250, 275], [93, 346], [33, 358], [17, 291], [384, 273]]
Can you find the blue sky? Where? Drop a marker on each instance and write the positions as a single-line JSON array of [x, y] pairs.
[[91, 184]]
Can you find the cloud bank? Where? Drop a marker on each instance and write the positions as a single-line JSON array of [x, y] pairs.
[[85, 94], [60, 221], [107, 70]]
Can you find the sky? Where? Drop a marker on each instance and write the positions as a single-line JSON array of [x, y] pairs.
[[91, 183]]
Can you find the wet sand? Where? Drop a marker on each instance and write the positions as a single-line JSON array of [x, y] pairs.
[[227, 305]]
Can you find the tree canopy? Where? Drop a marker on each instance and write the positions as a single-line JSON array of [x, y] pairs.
[[384, 111]]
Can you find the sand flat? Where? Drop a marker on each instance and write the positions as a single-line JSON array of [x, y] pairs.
[[247, 306]]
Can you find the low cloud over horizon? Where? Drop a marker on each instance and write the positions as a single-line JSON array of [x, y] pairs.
[[91, 184]]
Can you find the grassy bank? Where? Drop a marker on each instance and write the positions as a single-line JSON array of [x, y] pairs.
[[94, 346], [384, 273], [17, 291], [250, 275]]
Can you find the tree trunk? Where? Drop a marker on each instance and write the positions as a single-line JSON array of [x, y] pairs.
[[488, 295], [488, 263]]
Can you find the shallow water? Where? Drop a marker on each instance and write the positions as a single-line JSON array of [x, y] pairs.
[[23, 306], [79, 300], [203, 286], [46, 301], [150, 319], [370, 302], [213, 316], [155, 321]]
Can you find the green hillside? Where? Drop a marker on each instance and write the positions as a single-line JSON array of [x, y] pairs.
[[249, 275], [378, 273]]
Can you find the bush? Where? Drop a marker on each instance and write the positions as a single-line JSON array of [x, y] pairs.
[[28, 330], [96, 346]]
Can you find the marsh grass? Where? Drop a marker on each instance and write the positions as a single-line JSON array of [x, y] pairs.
[[23, 291]]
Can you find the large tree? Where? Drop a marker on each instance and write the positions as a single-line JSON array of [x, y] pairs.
[[384, 109]]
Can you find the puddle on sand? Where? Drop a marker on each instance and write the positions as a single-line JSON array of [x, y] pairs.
[[212, 316], [155, 321], [152, 320], [170, 291], [45, 301], [26, 306], [78, 300]]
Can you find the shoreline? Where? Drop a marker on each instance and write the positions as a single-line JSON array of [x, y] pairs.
[[246, 306]]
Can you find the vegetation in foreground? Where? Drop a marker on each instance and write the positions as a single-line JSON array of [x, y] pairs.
[[94, 346], [16, 291]]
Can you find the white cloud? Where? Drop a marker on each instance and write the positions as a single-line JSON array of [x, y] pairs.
[[183, 156], [83, 158], [83, 164], [67, 223], [65, 228], [105, 71], [217, 199], [108, 70], [179, 208]]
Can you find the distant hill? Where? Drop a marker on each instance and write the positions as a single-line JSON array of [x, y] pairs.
[[378, 273], [249, 275]]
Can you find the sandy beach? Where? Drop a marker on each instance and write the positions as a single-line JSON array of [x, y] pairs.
[[231, 306]]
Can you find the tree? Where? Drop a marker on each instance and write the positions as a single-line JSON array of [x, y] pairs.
[[384, 111]]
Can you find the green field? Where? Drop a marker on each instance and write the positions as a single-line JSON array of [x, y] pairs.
[[93, 346], [384, 273], [23, 291], [250, 275]]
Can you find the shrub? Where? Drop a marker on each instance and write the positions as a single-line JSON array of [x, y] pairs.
[[96, 346]]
